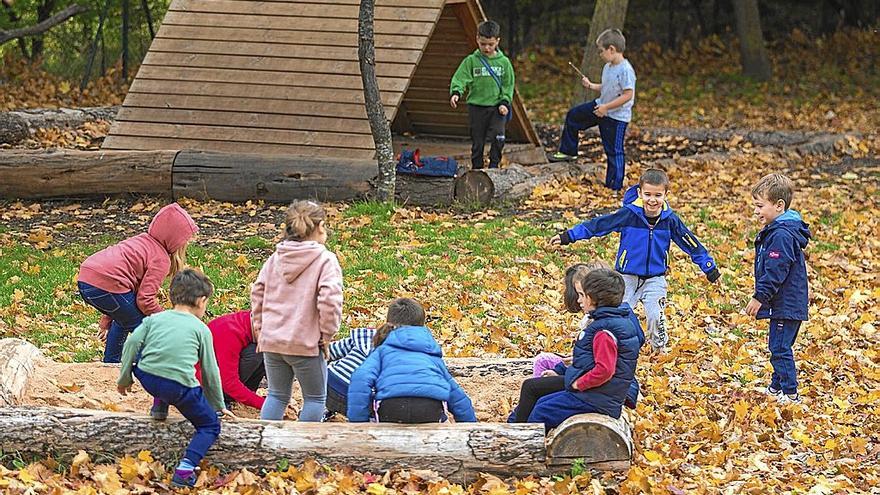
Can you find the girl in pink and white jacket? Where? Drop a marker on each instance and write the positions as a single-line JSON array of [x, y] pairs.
[[296, 308]]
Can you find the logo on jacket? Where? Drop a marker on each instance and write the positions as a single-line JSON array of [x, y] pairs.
[[773, 254]]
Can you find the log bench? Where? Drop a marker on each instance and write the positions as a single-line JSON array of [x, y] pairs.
[[458, 452]]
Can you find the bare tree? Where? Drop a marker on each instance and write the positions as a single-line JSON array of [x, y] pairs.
[[755, 63], [607, 14], [379, 125]]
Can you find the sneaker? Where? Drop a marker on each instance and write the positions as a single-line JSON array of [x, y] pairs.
[[328, 415], [786, 399], [184, 481], [773, 392], [159, 411], [560, 157]]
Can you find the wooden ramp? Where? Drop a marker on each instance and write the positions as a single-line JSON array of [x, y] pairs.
[[282, 77]]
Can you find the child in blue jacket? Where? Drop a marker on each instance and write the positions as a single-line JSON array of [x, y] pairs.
[[781, 287], [647, 226], [404, 379]]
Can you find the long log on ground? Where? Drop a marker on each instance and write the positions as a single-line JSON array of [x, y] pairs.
[[242, 177], [18, 125], [72, 173], [458, 452]]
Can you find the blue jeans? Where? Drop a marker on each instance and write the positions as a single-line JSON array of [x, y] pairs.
[[555, 408], [612, 131], [124, 311], [311, 372], [192, 404], [782, 335]]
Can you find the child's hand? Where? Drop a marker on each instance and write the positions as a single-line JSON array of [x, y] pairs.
[[453, 101], [325, 349], [123, 389], [753, 307], [229, 414], [549, 373], [104, 327], [556, 240], [503, 110], [586, 82], [601, 110]]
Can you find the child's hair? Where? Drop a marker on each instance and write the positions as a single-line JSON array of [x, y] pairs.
[[301, 219], [604, 286], [489, 29], [654, 177], [574, 275], [402, 312], [774, 187], [188, 285], [612, 37], [178, 260]]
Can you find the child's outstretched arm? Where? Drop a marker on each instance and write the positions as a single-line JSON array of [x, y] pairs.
[[596, 227], [461, 81], [211, 383], [360, 390], [689, 243]]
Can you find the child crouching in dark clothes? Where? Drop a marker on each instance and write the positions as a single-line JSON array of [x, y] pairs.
[[404, 379], [602, 373]]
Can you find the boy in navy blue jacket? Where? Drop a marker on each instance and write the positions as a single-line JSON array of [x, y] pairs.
[[404, 379], [647, 226], [781, 287]]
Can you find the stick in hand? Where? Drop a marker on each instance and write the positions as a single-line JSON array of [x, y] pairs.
[[576, 69]]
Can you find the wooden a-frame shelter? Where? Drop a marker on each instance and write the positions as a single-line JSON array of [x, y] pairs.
[[281, 77]]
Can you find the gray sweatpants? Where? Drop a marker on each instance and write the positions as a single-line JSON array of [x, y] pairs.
[[651, 292]]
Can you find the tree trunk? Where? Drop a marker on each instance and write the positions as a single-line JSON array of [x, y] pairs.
[[18, 125], [755, 63], [72, 173], [41, 27], [280, 179], [608, 14], [379, 125]]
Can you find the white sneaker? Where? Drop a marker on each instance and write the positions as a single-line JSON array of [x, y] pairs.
[[773, 392], [785, 399]]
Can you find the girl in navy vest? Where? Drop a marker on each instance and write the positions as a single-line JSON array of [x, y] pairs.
[[602, 373]]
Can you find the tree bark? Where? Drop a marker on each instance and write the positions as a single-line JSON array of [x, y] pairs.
[[74, 173], [608, 14], [42, 27], [17, 361], [18, 125], [379, 124], [755, 63]]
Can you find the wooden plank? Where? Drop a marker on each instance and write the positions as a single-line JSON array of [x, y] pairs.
[[243, 119], [122, 142], [292, 23], [274, 64], [326, 11], [269, 106], [384, 3], [220, 33], [257, 91], [280, 50], [245, 135], [269, 78]]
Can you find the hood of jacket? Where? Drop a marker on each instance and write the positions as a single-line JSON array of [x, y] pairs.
[[293, 257], [172, 227], [632, 201], [791, 221], [417, 339]]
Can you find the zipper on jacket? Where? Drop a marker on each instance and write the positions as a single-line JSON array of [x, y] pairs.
[[650, 242]]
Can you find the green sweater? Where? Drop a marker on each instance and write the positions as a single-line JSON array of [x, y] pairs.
[[171, 343], [473, 77]]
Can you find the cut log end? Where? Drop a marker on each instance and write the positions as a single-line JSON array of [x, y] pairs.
[[17, 361], [474, 187], [601, 441]]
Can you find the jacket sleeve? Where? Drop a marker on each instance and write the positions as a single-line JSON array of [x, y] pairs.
[[778, 254], [228, 357], [339, 348], [330, 299], [149, 287], [462, 79], [459, 403], [605, 352], [596, 227], [130, 350], [211, 383], [258, 289], [360, 390], [689, 243], [508, 83]]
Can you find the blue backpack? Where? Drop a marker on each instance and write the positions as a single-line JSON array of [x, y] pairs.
[[410, 162]]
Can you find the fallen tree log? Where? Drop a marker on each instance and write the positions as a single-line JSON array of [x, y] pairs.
[[73, 173], [17, 361], [18, 125]]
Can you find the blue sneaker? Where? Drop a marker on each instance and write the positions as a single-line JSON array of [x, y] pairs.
[[159, 411], [182, 480]]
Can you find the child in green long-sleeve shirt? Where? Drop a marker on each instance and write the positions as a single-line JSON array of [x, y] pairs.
[[487, 77], [162, 353]]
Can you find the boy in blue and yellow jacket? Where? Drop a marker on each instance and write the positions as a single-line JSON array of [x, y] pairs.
[[647, 226], [404, 379], [781, 287]]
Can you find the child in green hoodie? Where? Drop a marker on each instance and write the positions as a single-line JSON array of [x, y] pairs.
[[487, 77]]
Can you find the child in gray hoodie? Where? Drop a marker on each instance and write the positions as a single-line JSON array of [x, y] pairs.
[[296, 306]]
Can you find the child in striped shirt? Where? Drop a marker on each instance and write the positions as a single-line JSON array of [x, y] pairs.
[[345, 356]]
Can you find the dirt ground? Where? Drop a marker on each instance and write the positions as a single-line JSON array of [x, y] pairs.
[[93, 386]]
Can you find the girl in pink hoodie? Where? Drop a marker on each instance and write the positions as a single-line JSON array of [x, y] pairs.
[[296, 308], [122, 281]]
